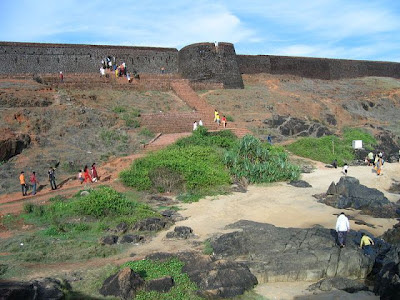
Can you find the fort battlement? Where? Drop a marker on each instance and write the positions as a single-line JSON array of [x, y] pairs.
[[201, 62]]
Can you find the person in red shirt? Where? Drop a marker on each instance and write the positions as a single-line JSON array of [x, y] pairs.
[[94, 173], [86, 174], [61, 76], [223, 121], [33, 180]]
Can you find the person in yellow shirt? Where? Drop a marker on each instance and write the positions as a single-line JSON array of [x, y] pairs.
[[23, 183], [366, 244]]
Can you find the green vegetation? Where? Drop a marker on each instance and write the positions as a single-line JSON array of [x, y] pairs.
[[208, 249], [110, 137], [146, 133], [148, 270], [229, 118], [192, 165], [119, 109], [329, 148], [260, 162], [69, 229], [201, 165]]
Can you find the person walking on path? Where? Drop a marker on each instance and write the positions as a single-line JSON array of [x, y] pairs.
[[34, 181], [52, 178], [342, 227], [345, 168], [269, 139], [95, 176], [200, 122], [86, 174], [216, 116], [61, 77], [366, 244], [378, 166], [23, 183], [194, 125], [80, 176], [370, 158], [223, 121]]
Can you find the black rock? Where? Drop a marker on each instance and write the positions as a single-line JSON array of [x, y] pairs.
[[122, 227], [348, 192], [160, 285], [151, 224], [109, 240], [180, 232], [300, 183], [38, 289], [339, 283], [131, 238], [215, 278], [292, 254], [123, 284]]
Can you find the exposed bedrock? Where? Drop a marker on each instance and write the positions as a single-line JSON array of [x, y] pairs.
[[290, 126], [278, 254], [348, 192], [12, 144], [215, 278]]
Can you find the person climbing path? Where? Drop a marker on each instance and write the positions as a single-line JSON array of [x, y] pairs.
[[23, 183]]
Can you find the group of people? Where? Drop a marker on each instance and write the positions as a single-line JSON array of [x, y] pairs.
[[34, 182], [219, 120], [343, 227], [120, 70], [375, 161], [88, 175], [197, 124]]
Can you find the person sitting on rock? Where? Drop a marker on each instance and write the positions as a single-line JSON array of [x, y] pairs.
[[345, 168], [342, 227], [366, 244]]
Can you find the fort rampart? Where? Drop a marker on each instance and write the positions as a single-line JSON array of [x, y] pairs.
[[202, 62]]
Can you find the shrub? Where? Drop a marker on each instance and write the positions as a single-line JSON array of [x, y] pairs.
[[146, 132], [198, 167], [259, 162], [110, 137], [119, 109], [229, 118], [201, 137]]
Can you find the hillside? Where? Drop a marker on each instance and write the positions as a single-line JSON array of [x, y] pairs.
[[91, 119]]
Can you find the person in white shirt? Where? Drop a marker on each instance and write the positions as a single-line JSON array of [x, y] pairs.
[[342, 227], [200, 123], [345, 168], [194, 125]]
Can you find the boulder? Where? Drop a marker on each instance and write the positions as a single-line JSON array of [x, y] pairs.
[[180, 232], [173, 215], [123, 284], [339, 283], [151, 224], [215, 278], [300, 183], [292, 254], [348, 192], [37, 289], [131, 238], [12, 144], [160, 285], [109, 240], [392, 235], [122, 227]]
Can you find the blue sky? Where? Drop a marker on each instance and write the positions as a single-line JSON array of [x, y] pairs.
[[325, 28]]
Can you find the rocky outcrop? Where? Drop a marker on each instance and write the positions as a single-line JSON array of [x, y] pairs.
[[12, 144], [291, 126], [348, 192], [123, 284], [215, 278], [392, 236], [161, 285], [292, 254], [387, 280], [38, 289]]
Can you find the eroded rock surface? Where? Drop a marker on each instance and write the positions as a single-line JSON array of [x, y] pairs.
[[292, 254], [37, 289], [12, 144]]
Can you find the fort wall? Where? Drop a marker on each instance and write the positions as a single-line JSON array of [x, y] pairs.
[[69, 58], [200, 63], [321, 68]]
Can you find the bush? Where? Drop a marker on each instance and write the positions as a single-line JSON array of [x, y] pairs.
[[119, 109], [146, 132], [201, 137], [196, 166], [229, 118], [260, 162]]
